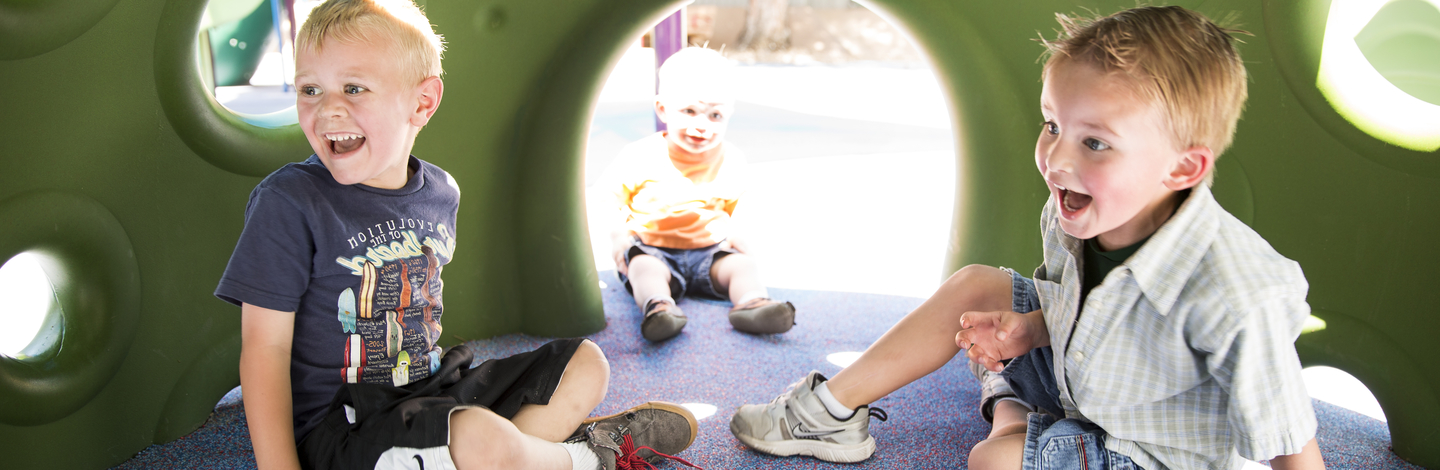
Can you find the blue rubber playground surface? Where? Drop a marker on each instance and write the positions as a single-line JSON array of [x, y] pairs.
[[932, 423]]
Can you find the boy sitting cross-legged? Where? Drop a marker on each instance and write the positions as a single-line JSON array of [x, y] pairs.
[[675, 192], [337, 274], [1159, 332]]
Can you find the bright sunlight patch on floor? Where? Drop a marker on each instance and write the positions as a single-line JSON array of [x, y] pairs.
[[843, 359], [701, 410]]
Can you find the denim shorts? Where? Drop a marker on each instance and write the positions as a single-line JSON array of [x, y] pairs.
[[1052, 442], [689, 269]]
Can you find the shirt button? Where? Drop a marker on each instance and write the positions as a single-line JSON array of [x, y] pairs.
[[1079, 355]]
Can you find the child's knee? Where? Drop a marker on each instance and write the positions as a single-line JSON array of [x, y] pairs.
[[590, 364], [734, 264], [646, 264], [590, 355], [980, 283], [976, 273]]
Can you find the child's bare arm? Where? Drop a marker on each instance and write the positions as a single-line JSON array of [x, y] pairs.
[[265, 337], [990, 337], [1307, 459]]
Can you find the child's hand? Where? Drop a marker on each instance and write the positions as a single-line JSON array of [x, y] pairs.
[[619, 256], [737, 244], [989, 337]]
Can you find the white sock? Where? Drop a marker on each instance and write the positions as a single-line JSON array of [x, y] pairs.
[[752, 295], [832, 405], [581, 456]]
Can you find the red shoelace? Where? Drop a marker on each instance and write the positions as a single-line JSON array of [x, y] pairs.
[[629, 459]]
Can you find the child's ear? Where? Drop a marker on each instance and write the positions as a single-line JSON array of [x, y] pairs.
[[429, 93], [660, 110], [1190, 169]]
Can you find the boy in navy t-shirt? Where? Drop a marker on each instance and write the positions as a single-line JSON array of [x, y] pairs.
[[337, 273]]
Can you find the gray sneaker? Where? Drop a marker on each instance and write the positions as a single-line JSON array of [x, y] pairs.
[[993, 387], [797, 423], [640, 436]]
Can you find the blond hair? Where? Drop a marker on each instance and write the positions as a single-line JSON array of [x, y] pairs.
[[696, 71], [418, 47], [1181, 61]]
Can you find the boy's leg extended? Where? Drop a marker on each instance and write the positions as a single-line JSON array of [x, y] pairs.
[[804, 420], [481, 439], [925, 339]]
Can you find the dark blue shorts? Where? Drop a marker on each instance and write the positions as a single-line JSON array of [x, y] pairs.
[[1052, 442], [689, 269]]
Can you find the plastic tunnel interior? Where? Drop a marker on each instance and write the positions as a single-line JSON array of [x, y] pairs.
[[132, 181]]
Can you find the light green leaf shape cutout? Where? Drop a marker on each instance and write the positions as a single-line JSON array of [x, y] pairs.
[[1402, 42]]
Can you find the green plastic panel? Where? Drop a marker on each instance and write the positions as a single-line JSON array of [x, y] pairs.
[[107, 121]]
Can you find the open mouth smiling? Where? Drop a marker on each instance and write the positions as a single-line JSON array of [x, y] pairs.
[[342, 143], [1072, 202]]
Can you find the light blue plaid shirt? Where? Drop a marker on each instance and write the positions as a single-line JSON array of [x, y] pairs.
[[1185, 354]]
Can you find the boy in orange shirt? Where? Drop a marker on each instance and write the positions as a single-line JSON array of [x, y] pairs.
[[675, 193]]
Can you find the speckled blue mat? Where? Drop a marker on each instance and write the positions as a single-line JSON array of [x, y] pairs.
[[932, 423]]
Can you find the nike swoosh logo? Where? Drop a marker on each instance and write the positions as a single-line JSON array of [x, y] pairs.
[[800, 432], [420, 461]]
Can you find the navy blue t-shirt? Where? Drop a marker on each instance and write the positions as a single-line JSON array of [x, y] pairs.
[[359, 266]]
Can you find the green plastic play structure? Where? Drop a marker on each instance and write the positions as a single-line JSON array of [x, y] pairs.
[[119, 168]]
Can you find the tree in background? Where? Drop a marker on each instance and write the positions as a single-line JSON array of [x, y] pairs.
[[765, 29]]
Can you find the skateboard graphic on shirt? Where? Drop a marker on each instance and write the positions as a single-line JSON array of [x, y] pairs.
[[397, 305]]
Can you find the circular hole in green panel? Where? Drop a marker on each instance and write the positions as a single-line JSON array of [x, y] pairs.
[[32, 27], [1380, 69], [29, 298], [246, 57], [88, 266], [1339, 388], [245, 144]]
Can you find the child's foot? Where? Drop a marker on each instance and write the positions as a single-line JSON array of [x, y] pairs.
[[663, 320], [797, 422], [647, 434], [763, 316]]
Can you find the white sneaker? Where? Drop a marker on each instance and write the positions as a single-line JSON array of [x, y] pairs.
[[797, 423]]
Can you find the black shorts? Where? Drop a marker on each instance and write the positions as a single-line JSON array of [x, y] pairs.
[[381, 426]]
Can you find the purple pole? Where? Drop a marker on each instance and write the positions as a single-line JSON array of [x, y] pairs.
[[280, 36], [668, 39]]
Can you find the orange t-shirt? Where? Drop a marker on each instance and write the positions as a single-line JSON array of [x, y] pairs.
[[671, 203]]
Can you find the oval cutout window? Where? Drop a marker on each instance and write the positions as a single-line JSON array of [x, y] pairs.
[[1380, 69]]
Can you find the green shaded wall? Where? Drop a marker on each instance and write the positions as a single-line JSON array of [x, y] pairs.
[[117, 163]]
